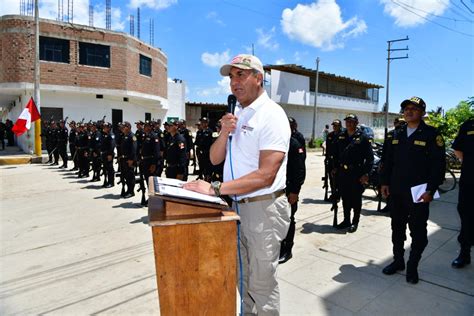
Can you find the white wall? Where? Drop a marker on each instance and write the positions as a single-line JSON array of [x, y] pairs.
[[176, 99]]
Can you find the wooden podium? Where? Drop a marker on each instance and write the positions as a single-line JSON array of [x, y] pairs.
[[195, 246]]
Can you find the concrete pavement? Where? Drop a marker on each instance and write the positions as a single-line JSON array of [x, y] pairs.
[[69, 247]]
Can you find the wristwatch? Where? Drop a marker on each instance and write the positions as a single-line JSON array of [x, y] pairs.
[[216, 186]]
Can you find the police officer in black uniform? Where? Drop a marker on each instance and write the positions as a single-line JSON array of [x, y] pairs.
[[217, 170], [331, 148], [414, 157], [464, 149], [176, 160], [161, 137], [82, 142], [183, 130], [107, 148], [203, 143], [54, 134], [128, 158], [354, 159], [95, 144], [150, 153], [72, 144], [139, 135], [48, 134], [62, 142], [295, 176]]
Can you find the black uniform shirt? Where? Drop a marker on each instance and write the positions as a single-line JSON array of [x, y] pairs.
[[151, 148], [354, 153], [176, 152], [295, 167], [108, 144], [464, 142], [72, 136], [129, 146], [414, 160], [62, 135]]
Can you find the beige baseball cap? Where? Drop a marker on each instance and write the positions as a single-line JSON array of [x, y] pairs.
[[243, 61]]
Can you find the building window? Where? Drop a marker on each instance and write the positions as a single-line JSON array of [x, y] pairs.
[[145, 65], [94, 55], [147, 116], [54, 49]]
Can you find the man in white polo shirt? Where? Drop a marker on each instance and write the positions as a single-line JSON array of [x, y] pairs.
[[254, 144]]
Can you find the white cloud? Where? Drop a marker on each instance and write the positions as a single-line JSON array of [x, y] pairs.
[[280, 61], [152, 4], [400, 10], [320, 25], [216, 59], [265, 39], [223, 88], [213, 16]]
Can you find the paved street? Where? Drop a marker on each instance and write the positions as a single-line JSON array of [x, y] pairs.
[[69, 247]]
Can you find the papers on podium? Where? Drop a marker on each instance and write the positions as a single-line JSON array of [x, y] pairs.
[[418, 190], [174, 188]]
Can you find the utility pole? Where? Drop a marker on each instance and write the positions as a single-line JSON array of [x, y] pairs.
[[37, 141], [313, 132], [389, 50]]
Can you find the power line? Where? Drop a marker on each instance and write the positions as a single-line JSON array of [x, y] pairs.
[[467, 7], [438, 16], [455, 8], [425, 18]]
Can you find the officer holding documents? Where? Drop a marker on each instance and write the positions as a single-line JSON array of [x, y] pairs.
[[414, 157]]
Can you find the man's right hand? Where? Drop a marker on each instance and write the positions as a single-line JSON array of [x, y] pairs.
[[385, 191], [228, 123]]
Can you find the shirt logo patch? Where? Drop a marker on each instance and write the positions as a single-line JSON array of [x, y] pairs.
[[420, 143], [439, 141], [300, 150], [395, 141], [470, 132], [181, 145]]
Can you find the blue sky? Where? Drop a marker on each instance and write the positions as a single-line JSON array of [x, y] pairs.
[[349, 36]]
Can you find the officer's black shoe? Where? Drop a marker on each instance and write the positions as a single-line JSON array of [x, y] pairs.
[[55, 163], [343, 225], [353, 228], [394, 267], [108, 185], [285, 257], [412, 274], [461, 261], [128, 195]]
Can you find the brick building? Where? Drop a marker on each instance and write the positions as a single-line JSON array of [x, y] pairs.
[[86, 72]]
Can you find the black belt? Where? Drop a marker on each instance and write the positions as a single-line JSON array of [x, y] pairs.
[[270, 196]]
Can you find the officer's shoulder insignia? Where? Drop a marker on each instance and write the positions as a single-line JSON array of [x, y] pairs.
[[215, 134], [134, 138], [357, 140], [439, 141], [162, 135]]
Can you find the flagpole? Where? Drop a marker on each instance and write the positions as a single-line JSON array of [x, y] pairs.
[[38, 151]]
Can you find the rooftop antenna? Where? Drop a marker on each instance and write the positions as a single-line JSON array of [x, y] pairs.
[[60, 10], [132, 25], [29, 8], [70, 11], [138, 22], [152, 32], [91, 15], [22, 7], [108, 21]]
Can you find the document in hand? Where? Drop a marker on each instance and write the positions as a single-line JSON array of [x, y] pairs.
[[418, 190], [174, 188]]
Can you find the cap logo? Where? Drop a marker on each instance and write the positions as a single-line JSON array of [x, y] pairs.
[[415, 100]]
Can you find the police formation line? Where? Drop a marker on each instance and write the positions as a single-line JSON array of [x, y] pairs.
[[413, 153], [95, 147]]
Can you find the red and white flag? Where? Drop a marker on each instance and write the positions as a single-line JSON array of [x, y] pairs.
[[29, 115]]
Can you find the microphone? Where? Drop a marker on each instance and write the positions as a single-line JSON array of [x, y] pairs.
[[231, 102]]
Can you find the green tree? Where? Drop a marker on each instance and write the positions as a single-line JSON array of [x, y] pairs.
[[448, 124]]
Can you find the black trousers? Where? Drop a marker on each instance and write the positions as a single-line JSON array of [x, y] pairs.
[[108, 168], [83, 162], [128, 175], [350, 191], [62, 151], [403, 211], [205, 165], [72, 150], [466, 214], [290, 236]]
